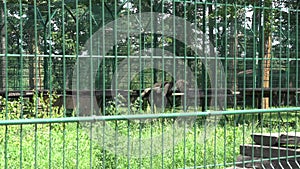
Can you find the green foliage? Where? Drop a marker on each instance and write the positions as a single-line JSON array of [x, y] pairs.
[[115, 107], [39, 107]]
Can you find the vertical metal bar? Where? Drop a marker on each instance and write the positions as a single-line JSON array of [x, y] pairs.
[[128, 144], [288, 80], [174, 66], [103, 145], [262, 54], [297, 74], [21, 59], [6, 85], [163, 98], [163, 81], [116, 52], [48, 76], [261, 65], [195, 143], [116, 143], [128, 61], [196, 93], [271, 75], [244, 80], [77, 83], [269, 49], [272, 61], [280, 58], [235, 50], [103, 63], [174, 50], [21, 79], [140, 143], [91, 56], [91, 145], [173, 142], [185, 64], [151, 144], [196, 90], [204, 80], [288, 60], [185, 56], [204, 65], [244, 58], [216, 87], [297, 54], [254, 59], [280, 69], [141, 85], [63, 53], [226, 80], [153, 80], [162, 143], [91, 77], [128, 88], [64, 79], [104, 73], [37, 84]]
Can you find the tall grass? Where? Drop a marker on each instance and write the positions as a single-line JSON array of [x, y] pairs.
[[70, 144], [134, 144]]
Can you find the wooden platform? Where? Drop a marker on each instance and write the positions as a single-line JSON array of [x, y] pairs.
[[270, 139], [268, 150]]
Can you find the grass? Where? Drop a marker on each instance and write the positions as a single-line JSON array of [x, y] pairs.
[[70, 145], [123, 144]]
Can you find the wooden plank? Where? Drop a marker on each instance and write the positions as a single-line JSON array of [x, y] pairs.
[[268, 139], [267, 151], [290, 138], [265, 139]]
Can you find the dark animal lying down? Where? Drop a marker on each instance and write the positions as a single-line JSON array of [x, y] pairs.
[[161, 95]]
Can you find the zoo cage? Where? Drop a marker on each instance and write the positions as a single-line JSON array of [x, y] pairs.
[[149, 84]]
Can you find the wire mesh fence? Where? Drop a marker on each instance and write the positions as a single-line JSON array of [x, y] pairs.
[[149, 84]]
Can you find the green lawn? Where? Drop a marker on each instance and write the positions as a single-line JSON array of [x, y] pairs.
[[70, 145]]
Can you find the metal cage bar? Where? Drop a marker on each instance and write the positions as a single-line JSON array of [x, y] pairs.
[[149, 84]]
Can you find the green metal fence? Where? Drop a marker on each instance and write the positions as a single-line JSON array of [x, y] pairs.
[[149, 84]]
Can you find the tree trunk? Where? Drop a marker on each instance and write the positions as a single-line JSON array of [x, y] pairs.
[[266, 72]]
